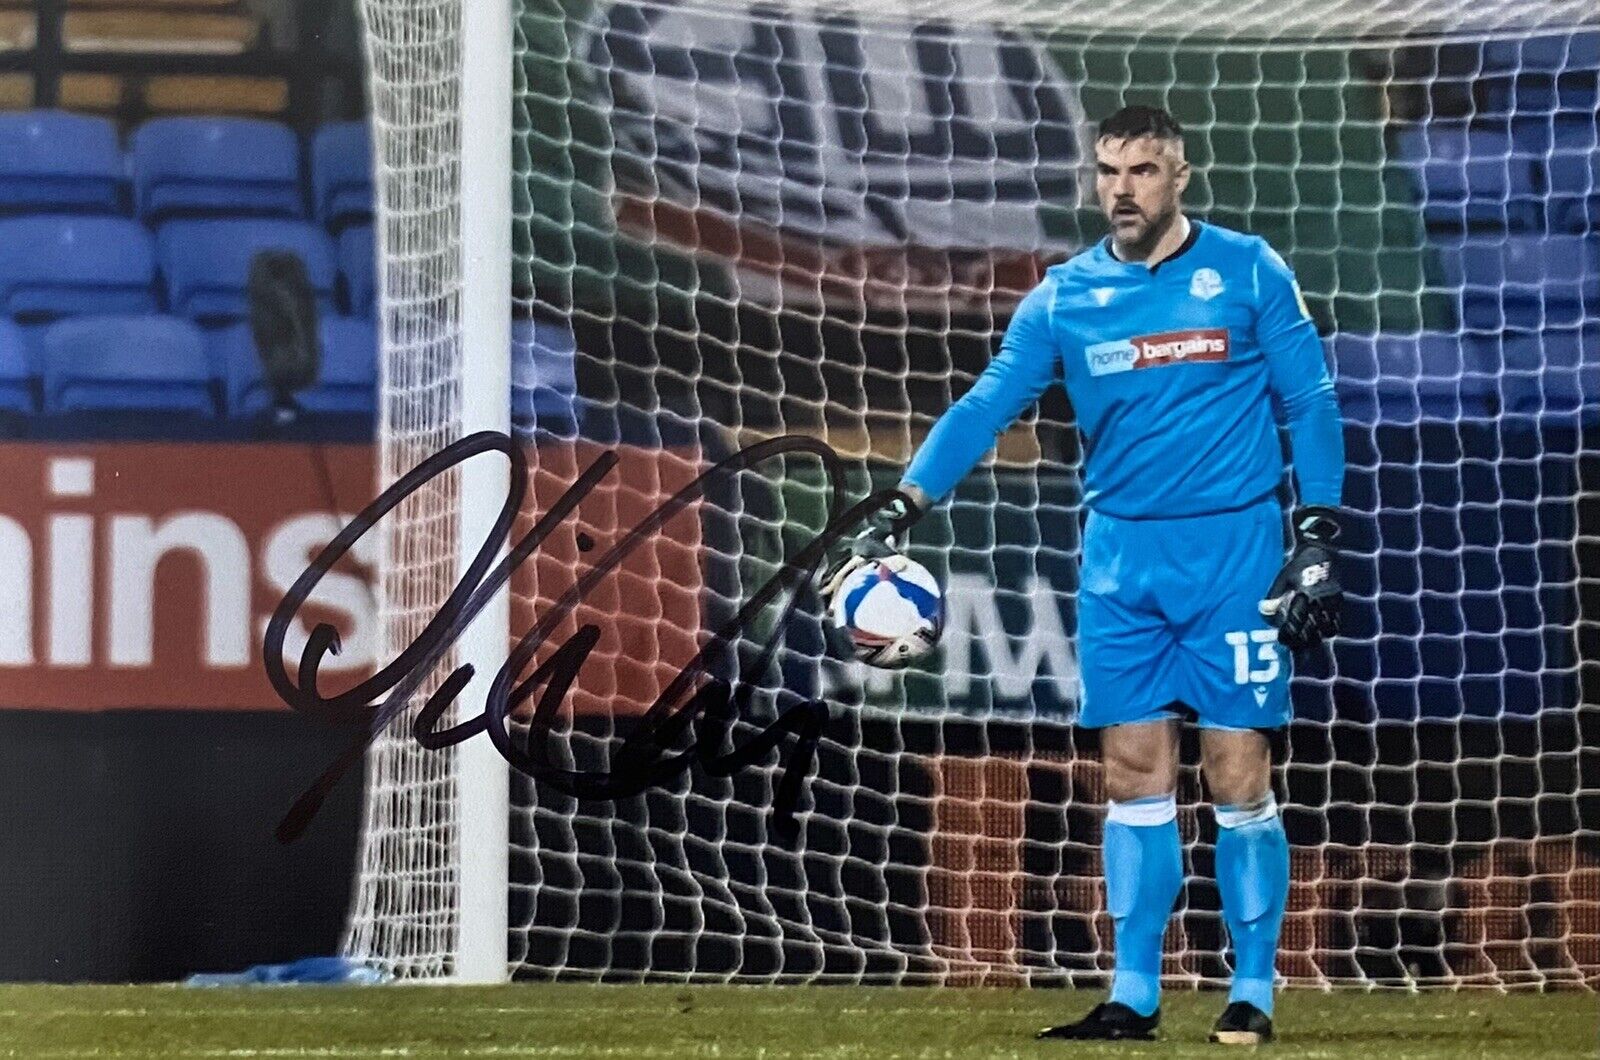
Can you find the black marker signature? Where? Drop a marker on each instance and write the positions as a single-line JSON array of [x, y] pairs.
[[713, 704]]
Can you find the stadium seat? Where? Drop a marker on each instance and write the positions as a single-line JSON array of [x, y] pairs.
[[1469, 177], [16, 383], [349, 378], [207, 263], [1573, 173], [129, 363], [210, 166], [1556, 54], [1541, 95], [543, 387], [356, 262], [1552, 375], [57, 265], [1541, 75], [1404, 379], [346, 385], [54, 161], [1524, 281], [341, 174]]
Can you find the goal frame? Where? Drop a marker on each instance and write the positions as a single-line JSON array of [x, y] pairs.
[[467, 143], [482, 776]]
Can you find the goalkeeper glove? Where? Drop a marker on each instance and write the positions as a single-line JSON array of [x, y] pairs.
[[1305, 597], [885, 533]]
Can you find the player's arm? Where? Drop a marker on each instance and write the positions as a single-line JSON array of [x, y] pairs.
[[1022, 369], [1303, 601]]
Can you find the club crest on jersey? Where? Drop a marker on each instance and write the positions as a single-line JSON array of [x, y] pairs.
[[1153, 351], [1102, 295], [1206, 284]]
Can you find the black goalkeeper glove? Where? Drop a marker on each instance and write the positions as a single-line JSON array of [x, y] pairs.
[[1306, 596], [884, 536]]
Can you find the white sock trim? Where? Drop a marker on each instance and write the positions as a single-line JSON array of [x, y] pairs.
[[1143, 813], [1263, 809]]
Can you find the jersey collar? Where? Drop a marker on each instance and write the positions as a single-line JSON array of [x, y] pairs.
[[1183, 248]]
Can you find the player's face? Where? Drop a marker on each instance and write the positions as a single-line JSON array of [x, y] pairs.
[[1140, 184]]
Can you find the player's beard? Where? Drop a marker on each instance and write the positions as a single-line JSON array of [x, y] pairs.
[[1140, 247]]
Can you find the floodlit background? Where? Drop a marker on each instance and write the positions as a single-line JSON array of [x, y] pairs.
[[730, 222]]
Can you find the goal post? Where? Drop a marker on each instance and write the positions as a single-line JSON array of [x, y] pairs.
[[484, 787], [696, 224], [432, 882]]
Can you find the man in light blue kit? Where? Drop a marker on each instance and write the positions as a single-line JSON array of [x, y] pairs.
[[1172, 338]]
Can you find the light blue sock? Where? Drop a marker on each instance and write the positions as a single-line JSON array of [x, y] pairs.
[[1253, 876], [1144, 870]]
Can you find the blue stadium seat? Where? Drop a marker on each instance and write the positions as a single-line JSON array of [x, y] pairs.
[[349, 380], [1552, 375], [57, 265], [543, 387], [356, 262], [341, 174], [1405, 379], [1469, 176], [145, 364], [210, 166], [207, 263], [58, 162], [1524, 281], [1544, 94], [16, 382], [1543, 55], [1563, 53], [1573, 173], [347, 385], [1531, 137], [1541, 75]]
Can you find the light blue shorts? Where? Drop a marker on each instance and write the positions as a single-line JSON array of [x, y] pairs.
[[1168, 619]]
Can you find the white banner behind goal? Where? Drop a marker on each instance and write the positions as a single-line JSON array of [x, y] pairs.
[[733, 222]]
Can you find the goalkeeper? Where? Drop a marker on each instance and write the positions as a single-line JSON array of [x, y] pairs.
[[1172, 338]]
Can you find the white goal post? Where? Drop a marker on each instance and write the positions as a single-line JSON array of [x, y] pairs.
[[671, 228], [441, 113]]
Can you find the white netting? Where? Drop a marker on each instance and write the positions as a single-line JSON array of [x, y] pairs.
[[758, 220], [404, 913]]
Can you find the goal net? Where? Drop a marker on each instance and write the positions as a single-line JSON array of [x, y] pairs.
[[733, 222]]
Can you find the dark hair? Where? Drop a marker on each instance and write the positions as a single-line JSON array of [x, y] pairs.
[[1138, 120]]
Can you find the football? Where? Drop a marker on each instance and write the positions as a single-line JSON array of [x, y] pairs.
[[892, 610]]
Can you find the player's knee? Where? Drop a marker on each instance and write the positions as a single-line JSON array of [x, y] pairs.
[[1129, 778], [1239, 787], [1130, 786], [1237, 767], [1140, 761], [1259, 810]]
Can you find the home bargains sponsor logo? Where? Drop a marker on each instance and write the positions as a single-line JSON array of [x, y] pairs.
[[1152, 351], [139, 575]]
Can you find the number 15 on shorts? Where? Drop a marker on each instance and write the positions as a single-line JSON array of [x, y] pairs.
[[1265, 643]]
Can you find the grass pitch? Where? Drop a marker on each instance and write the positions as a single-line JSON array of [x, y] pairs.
[[774, 1023]]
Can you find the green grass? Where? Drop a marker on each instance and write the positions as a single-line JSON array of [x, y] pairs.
[[679, 1023]]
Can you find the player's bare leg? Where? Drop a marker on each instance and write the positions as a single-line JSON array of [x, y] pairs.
[[1252, 875], [1143, 869]]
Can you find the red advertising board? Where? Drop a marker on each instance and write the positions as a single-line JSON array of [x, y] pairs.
[[142, 575]]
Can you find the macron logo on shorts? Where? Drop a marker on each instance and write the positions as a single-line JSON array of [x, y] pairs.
[[1153, 351]]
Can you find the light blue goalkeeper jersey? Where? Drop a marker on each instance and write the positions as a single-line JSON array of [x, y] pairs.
[[1172, 373]]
